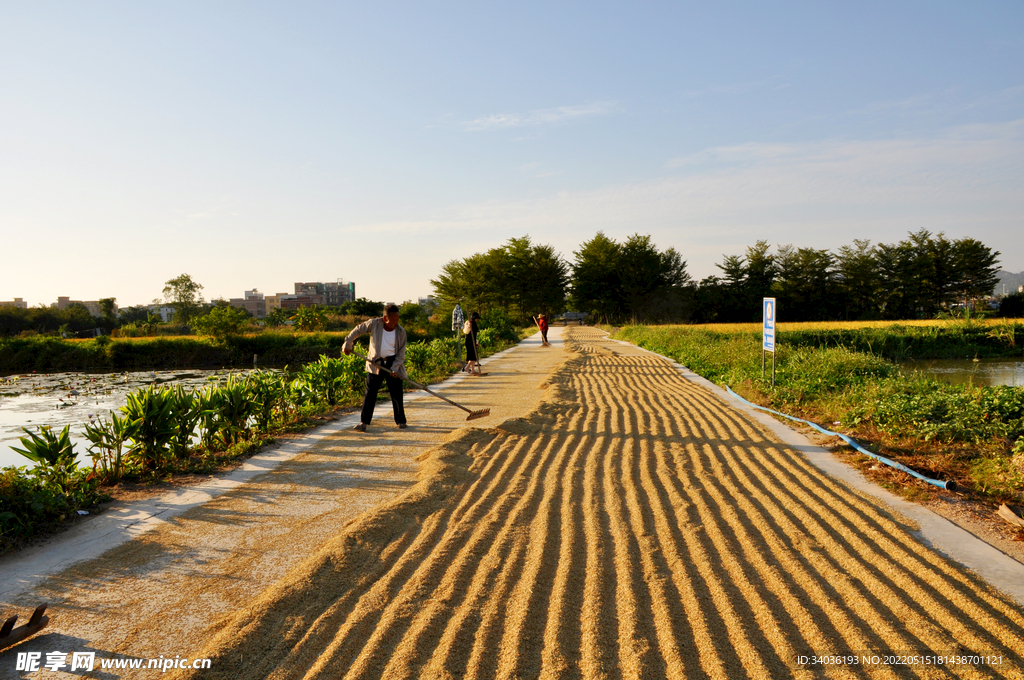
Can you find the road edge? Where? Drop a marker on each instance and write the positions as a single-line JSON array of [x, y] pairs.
[[994, 566]]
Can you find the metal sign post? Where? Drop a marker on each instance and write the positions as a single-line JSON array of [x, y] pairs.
[[768, 335]]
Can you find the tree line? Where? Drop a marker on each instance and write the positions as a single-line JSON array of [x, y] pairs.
[[918, 277]]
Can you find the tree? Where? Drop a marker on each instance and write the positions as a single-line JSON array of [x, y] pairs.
[[310, 318], [1012, 305], [519, 278], [805, 285], [634, 279], [596, 286], [857, 279], [276, 317], [363, 307], [182, 293], [550, 281], [748, 278], [222, 322], [133, 314], [759, 274], [732, 303], [897, 290], [974, 270], [639, 273], [107, 307]]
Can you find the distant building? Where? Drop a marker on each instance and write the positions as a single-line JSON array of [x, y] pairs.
[[253, 302], [92, 305], [16, 302], [296, 301], [289, 301], [334, 293], [273, 301], [165, 312]]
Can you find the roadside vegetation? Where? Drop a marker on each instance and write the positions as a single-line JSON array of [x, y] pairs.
[[845, 377], [221, 338], [163, 431]]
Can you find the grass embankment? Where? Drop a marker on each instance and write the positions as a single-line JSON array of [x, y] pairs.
[[272, 348], [153, 436], [845, 374]]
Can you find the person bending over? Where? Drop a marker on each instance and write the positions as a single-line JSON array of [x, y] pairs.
[[386, 363]]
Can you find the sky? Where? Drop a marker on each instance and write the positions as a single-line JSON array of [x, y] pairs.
[[253, 144]]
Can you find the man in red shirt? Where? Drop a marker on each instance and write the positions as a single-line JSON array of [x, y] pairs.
[[542, 323]]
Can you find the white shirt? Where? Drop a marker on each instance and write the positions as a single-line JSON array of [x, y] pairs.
[[387, 345]]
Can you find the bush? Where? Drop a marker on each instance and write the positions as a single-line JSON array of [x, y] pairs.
[[935, 410], [32, 500], [501, 326], [222, 322], [1012, 306]]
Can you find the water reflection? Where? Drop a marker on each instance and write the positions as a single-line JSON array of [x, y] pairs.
[[984, 372], [59, 399]]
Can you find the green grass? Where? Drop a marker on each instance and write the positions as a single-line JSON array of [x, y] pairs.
[[972, 434]]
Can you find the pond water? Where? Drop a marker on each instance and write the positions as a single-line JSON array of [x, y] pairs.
[[59, 399], [985, 372]]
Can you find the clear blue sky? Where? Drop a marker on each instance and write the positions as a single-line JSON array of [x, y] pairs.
[[259, 144]]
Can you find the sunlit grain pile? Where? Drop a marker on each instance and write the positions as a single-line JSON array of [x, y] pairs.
[[631, 526]]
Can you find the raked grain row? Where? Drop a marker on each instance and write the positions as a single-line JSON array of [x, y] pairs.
[[632, 526]]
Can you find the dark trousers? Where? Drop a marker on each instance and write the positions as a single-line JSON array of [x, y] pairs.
[[373, 383], [544, 334]]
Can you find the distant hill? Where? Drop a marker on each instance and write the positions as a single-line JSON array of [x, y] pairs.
[[1012, 281]]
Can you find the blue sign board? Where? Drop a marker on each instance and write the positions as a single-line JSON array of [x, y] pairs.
[[768, 333]]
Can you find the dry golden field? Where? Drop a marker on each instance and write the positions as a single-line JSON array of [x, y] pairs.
[[839, 325]]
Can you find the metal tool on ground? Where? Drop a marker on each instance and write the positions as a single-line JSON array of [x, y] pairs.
[[473, 415], [9, 635]]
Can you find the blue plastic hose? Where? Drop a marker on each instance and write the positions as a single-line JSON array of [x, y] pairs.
[[948, 486]]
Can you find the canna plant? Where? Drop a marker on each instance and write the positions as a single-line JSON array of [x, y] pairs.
[[152, 411], [47, 448], [53, 454], [269, 396], [185, 414], [208, 404], [107, 440], [235, 409], [326, 379]]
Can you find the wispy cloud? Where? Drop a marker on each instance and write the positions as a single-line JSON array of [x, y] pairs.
[[965, 181], [538, 117]]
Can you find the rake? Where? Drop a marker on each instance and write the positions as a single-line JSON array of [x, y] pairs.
[[473, 415], [9, 635]]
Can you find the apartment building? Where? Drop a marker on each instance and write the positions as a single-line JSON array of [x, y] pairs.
[[334, 293], [254, 302], [16, 302]]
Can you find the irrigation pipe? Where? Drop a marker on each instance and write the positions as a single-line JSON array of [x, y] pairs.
[[948, 486]]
